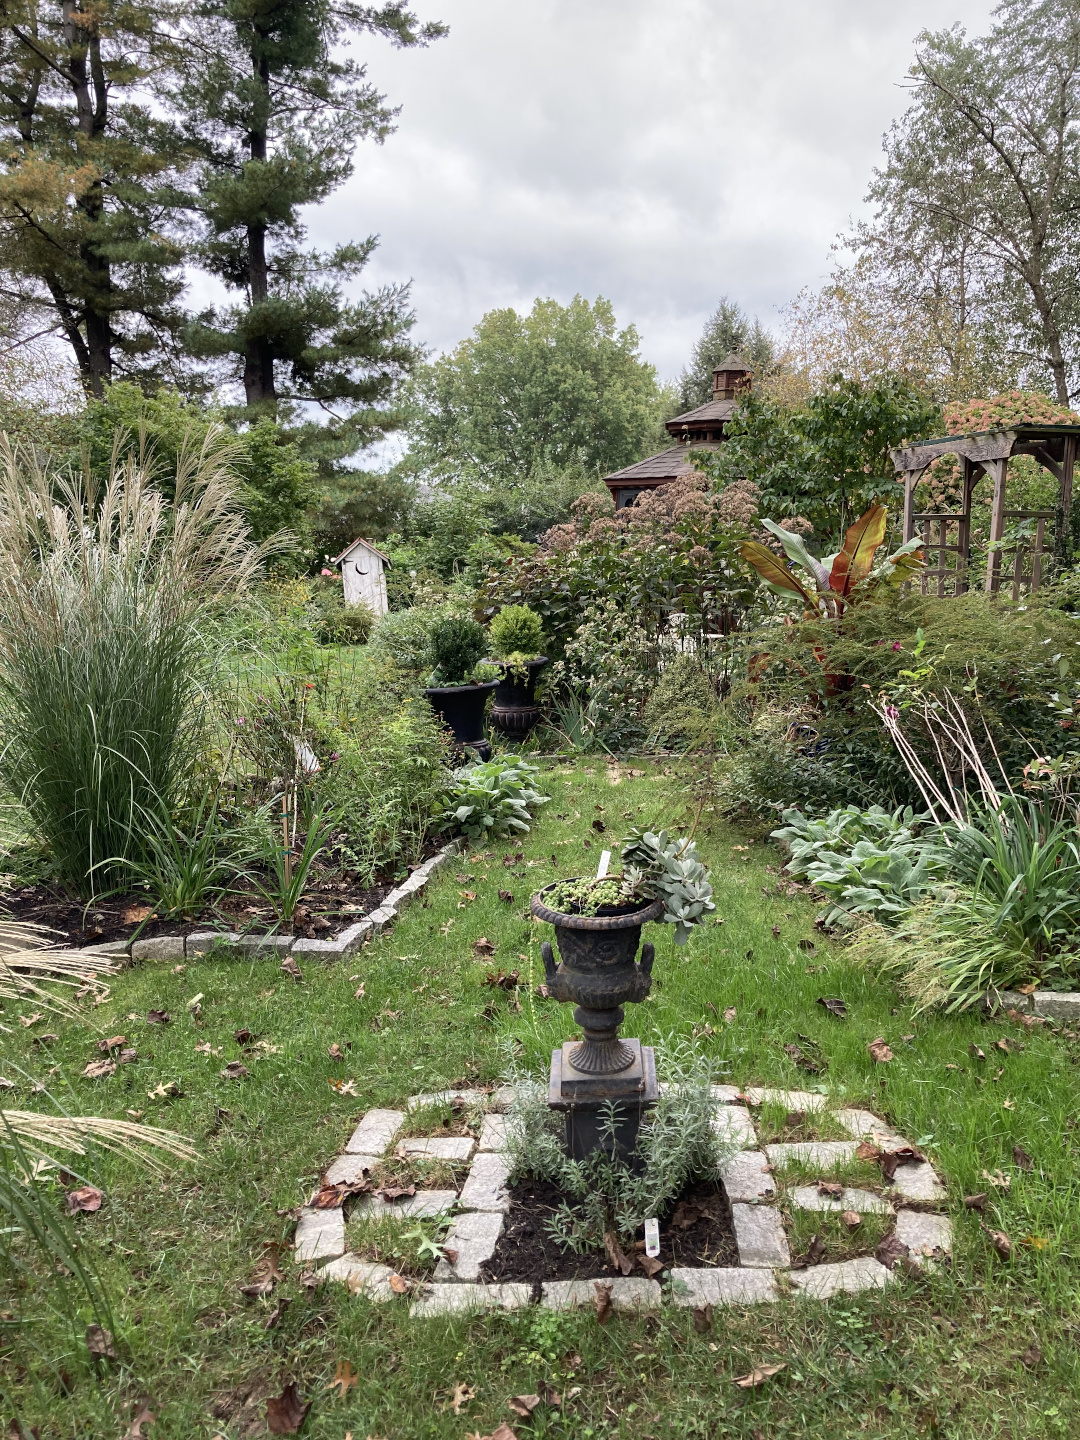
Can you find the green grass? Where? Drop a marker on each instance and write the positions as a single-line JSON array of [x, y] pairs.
[[937, 1355]]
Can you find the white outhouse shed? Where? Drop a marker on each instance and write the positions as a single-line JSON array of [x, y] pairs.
[[363, 574]]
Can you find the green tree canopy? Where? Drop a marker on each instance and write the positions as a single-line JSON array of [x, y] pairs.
[[728, 329], [561, 388], [88, 238], [273, 113], [978, 202], [828, 460]]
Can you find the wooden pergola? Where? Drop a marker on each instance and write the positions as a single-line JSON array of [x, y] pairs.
[[948, 534]]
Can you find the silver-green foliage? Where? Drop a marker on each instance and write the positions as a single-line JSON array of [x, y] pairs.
[[677, 1143], [868, 862], [661, 868], [494, 798]]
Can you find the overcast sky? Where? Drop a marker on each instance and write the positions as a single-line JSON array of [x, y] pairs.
[[659, 152]]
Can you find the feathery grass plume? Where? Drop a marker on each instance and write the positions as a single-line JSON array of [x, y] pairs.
[[37, 1133], [31, 967], [101, 655]]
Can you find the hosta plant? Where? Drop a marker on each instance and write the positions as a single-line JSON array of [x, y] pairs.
[[494, 799]]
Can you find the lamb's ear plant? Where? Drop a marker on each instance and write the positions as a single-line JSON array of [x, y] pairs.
[[677, 1142], [662, 868]]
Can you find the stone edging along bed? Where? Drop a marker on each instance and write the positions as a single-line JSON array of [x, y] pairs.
[[176, 947], [765, 1271]]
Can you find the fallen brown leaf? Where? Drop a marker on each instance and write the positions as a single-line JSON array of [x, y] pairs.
[[234, 1070], [891, 1250], [167, 1090], [975, 1202], [685, 1215], [730, 1014], [28, 1020], [758, 1376], [851, 1219], [502, 1433], [891, 1160], [602, 1300], [998, 1179], [1000, 1241], [135, 1429], [87, 1198], [114, 1042], [523, 1405], [834, 1005], [273, 1320], [1032, 1357], [616, 1255], [98, 1069], [460, 1398], [395, 1192], [551, 1396], [290, 967], [158, 1017], [266, 1274], [776, 932], [506, 897], [1022, 1158], [650, 1265], [832, 1188], [100, 1342], [702, 1316], [808, 946], [398, 1285], [483, 947], [345, 1377], [866, 1151], [285, 1413], [879, 1050], [814, 1251], [975, 1052]]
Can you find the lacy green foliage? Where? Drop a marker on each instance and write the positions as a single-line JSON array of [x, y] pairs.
[[1016, 667], [492, 799], [457, 644], [676, 1143], [605, 679], [660, 868], [678, 711], [516, 631], [316, 604], [868, 862]]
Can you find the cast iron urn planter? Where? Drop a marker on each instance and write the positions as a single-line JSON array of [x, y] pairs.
[[515, 711], [462, 708], [599, 974]]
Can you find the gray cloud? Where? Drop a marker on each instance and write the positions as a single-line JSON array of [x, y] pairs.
[[661, 154]]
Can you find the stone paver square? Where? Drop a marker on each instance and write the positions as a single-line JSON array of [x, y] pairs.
[[473, 1237], [485, 1189], [791, 1099], [493, 1134], [814, 1152], [746, 1178], [440, 1147], [360, 1277], [732, 1286], [320, 1234], [732, 1123], [820, 1282], [350, 1169], [627, 1293], [375, 1132], [425, 1204], [926, 1236], [918, 1182], [863, 1202], [759, 1234]]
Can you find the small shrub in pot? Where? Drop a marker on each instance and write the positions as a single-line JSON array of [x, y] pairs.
[[516, 642]]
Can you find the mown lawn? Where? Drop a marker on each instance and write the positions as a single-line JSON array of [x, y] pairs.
[[935, 1355]]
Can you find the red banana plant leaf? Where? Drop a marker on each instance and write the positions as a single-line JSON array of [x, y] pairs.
[[772, 569], [860, 546]]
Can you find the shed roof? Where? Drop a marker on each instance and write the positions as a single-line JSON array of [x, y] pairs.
[[367, 545]]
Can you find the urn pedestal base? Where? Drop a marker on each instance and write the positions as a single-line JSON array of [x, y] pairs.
[[582, 1097]]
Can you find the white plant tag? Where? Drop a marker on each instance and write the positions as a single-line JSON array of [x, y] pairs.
[[652, 1238], [605, 860]]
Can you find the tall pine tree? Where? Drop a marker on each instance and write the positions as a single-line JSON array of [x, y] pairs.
[[89, 174], [728, 330], [275, 113]]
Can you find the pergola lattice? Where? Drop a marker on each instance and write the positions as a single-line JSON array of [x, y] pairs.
[[947, 534]]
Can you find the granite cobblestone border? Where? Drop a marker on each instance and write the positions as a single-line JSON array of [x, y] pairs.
[[200, 942], [764, 1273]]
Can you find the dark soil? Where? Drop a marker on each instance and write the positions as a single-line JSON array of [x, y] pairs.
[[696, 1231], [330, 906]]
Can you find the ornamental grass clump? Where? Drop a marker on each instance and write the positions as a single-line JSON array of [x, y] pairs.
[[102, 653]]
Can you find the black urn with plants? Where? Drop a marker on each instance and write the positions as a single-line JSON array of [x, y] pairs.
[[460, 682], [516, 635], [603, 1083]]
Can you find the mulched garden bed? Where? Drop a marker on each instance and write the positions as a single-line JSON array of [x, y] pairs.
[[328, 907], [696, 1231]]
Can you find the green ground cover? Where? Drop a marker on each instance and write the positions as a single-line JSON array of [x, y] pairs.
[[986, 1348]]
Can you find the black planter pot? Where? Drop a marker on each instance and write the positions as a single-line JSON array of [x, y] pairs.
[[462, 708], [603, 1085], [515, 710]]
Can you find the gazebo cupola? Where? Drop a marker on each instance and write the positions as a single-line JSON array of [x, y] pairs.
[[731, 378]]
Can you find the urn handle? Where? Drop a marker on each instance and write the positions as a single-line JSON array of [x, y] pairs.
[[554, 979], [643, 976]]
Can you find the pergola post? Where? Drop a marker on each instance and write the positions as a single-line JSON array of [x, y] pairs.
[[911, 479], [999, 469]]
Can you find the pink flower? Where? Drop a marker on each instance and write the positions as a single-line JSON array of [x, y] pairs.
[[896, 645], [327, 572]]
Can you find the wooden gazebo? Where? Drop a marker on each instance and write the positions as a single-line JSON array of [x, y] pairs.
[[699, 429], [947, 535]]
